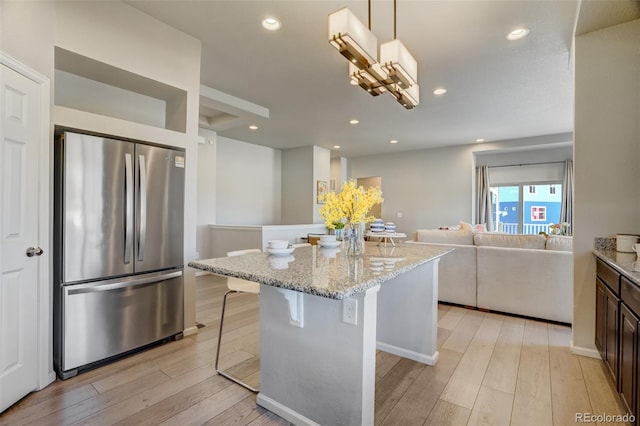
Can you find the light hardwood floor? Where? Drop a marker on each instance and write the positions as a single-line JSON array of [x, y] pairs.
[[493, 370]]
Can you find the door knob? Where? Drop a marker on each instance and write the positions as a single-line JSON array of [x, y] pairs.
[[37, 251]]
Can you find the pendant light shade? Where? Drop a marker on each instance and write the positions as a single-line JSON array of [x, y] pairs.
[[400, 65], [395, 73], [352, 38]]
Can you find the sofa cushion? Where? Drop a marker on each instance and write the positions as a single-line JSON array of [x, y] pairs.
[[510, 240], [560, 243], [444, 236], [535, 283]]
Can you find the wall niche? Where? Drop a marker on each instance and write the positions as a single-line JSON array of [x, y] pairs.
[[84, 84]]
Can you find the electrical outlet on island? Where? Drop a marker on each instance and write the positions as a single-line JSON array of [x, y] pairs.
[[350, 311]]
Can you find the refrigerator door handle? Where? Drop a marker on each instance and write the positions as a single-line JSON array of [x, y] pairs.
[[128, 233], [143, 208], [117, 284]]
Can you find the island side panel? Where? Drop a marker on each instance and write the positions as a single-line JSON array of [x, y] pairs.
[[408, 314], [324, 372]]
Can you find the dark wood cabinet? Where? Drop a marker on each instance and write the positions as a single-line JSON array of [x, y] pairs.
[[601, 305], [607, 316], [617, 334], [611, 333], [628, 358]]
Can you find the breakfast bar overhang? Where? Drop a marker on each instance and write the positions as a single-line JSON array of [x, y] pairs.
[[322, 316]]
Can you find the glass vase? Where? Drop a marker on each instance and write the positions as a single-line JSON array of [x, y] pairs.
[[353, 238]]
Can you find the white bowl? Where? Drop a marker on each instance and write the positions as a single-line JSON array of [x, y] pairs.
[[327, 238], [329, 244], [280, 251], [278, 244]]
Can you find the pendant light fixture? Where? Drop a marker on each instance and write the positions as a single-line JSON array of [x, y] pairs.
[[397, 70]]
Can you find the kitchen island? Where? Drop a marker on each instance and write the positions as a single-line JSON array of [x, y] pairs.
[[322, 316]]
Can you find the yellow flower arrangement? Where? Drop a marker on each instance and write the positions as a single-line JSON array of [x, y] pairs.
[[352, 204]]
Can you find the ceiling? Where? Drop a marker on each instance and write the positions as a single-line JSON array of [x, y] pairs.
[[295, 87]]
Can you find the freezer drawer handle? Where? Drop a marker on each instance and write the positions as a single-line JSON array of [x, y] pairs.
[[143, 208], [128, 232], [97, 287]]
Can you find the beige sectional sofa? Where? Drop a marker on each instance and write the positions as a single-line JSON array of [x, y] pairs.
[[529, 275]]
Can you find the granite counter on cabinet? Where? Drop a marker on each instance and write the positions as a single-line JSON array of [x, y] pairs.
[[323, 315], [621, 262]]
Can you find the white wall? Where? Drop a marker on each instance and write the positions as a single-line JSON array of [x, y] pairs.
[[339, 171], [248, 183], [429, 187], [302, 168], [321, 172], [606, 156], [206, 211], [297, 185], [26, 33]]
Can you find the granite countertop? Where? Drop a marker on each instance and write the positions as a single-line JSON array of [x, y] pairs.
[[324, 272], [622, 262]]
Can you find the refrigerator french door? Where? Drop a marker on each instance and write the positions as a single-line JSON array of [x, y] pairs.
[[118, 268]]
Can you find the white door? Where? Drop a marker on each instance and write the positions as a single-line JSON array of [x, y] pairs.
[[20, 130]]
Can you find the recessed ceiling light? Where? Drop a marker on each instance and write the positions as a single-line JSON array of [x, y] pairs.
[[517, 34], [479, 140], [271, 24], [394, 141], [440, 91], [253, 127], [354, 121], [336, 147]]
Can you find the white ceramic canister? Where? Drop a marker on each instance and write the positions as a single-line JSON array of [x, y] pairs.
[[625, 242]]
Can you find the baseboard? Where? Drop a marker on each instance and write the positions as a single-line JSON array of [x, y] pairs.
[[282, 411], [404, 353], [190, 331], [588, 352], [509, 314]]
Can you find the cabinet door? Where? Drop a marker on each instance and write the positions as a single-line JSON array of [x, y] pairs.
[[601, 300], [628, 357], [611, 334]]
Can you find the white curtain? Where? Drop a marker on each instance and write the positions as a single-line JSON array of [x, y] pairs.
[[566, 210], [483, 197]]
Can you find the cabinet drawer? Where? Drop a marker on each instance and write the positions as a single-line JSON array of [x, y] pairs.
[[630, 295], [609, 276]]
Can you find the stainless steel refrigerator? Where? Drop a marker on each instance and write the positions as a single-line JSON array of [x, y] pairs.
[[118, 263]]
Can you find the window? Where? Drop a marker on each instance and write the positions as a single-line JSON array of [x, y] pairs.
[[526, 208], [538, 213]]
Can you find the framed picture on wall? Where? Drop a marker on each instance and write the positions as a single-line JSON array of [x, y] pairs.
[[321, 189]]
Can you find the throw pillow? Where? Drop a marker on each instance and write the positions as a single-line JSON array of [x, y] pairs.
[[449, 228], [560, 243], [473, 228]]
